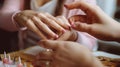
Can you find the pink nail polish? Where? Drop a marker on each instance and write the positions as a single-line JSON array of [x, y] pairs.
[[63, 31], [56, 37], [73, 25]]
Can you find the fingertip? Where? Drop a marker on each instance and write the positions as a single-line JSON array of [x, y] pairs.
[[56, 37], [63, 31], [73, 26]]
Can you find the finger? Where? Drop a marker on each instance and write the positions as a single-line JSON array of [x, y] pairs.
[[31, 26], [50, 44], [75, 18], [84, 27], [66, 26], [65, 36], [64, 22], [71, 35], [86, 7], [60, 22], [51, 23], [44, 27]]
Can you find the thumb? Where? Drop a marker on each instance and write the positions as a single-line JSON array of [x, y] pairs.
[[84, 27], [50, 44]]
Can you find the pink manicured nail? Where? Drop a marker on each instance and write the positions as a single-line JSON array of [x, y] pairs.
[[56, 37], [63, 31], [73, 25]]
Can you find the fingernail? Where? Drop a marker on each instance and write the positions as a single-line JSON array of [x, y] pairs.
[[73, 25], [63, 31], [56, 37]]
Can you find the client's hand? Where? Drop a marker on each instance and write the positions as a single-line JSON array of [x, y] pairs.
[[45, 25], [66, 54]]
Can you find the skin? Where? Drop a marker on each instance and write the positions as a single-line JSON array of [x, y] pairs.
[[95, 22], [70, 54], [45, 25], [66, 54]]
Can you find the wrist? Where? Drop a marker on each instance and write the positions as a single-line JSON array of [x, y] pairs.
[[18, 26]]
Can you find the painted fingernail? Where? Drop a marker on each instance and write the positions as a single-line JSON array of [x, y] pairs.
[[73, 25], [63, 31], [56, 37]]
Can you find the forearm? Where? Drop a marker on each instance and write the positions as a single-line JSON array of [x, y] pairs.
[[8, 9]]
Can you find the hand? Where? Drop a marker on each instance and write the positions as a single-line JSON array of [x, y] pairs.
[[43, 24], [94, 22], [69, 35], [66, 54]]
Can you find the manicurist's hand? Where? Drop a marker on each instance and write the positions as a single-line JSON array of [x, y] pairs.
[[66, 54], [94, 22]]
